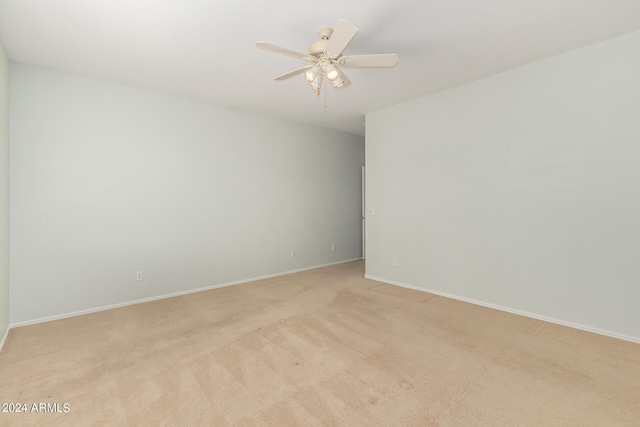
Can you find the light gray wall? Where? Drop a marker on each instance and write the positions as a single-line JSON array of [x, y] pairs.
[[4, 193], [107, 180], [521, 190]]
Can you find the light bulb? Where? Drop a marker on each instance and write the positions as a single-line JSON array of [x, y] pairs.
[[332, 73], [311, 74]]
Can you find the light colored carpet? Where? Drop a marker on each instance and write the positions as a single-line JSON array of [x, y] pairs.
[[322, 347]]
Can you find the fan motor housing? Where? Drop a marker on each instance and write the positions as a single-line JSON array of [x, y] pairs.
[[319, 47]]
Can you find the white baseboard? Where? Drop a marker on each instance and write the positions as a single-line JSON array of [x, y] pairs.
[[511, 310], [4, 338], [165, 296]]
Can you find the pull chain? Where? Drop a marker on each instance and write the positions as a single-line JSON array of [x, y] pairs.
[[325, 93], [325, 83]]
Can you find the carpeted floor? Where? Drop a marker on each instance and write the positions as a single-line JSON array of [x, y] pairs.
[[322, 347]]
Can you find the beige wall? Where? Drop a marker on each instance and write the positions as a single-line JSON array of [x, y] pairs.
[[518, 191], [4, 194], [107, 180]]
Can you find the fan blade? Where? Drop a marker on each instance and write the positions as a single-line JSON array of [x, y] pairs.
[[369, 61], [283, 51], [342, 35], [293, 73]]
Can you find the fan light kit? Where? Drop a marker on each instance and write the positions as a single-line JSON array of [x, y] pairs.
[[325, 56]]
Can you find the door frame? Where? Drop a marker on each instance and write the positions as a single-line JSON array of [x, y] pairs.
[[364, 228]]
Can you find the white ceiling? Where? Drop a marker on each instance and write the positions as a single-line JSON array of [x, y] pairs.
[[205, 50]]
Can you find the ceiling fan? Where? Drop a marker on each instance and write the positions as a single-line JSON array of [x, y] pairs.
[[327, 60]]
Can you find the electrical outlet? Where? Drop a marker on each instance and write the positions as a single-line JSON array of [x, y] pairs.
[[138, 275], [293, 254], [394, 262], [333, 248]]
